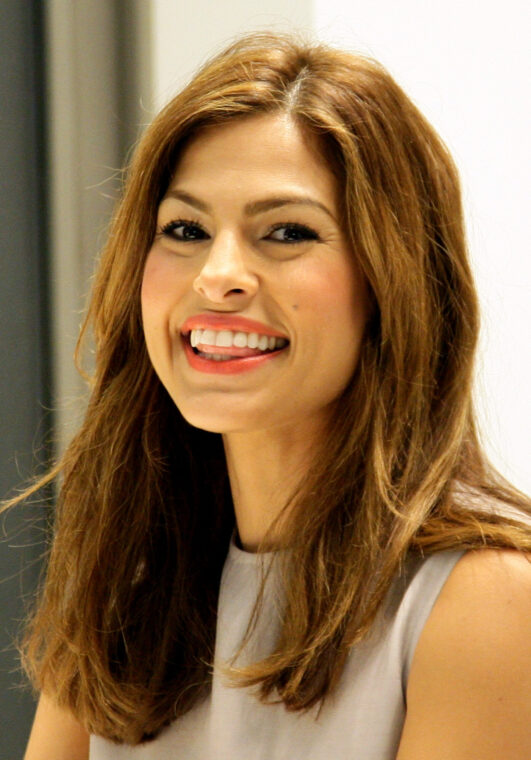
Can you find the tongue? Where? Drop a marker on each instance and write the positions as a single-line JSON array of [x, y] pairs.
[[229, 351]]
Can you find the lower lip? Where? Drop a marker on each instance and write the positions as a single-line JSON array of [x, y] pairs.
[[227, 366]]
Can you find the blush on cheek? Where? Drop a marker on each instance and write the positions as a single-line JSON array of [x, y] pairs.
[[154, 266], [157, 279], [337, 294]]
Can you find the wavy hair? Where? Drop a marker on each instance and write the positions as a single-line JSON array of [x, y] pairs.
[[123, 635]]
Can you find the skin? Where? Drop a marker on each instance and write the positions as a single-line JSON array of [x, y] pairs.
[[56, 735], [469, 690], [241, 263]]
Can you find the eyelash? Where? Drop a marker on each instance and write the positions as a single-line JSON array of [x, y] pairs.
[[168, 229], [307, 232]]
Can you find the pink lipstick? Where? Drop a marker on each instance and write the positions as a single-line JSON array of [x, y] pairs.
[[228, 322], [226, 344]]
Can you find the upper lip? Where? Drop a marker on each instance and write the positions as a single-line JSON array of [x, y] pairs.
[[228, 322]]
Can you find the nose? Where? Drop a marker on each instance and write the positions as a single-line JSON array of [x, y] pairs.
[[225, 275]]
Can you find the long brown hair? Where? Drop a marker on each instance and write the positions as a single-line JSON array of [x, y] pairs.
[[124, 633]]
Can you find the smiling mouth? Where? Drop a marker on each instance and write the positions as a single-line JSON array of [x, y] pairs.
[[232, 345]]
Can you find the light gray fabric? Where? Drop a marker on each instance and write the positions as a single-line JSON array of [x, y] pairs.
[[363, 719]]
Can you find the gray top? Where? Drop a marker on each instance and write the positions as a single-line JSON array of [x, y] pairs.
[[363, 719]]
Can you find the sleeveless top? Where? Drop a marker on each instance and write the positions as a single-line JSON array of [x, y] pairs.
[[364, 716]]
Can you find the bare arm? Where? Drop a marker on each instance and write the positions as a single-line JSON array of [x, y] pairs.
[[56, 735], [469, 691]]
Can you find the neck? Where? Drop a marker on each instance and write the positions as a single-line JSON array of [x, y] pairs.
[[265, 467]]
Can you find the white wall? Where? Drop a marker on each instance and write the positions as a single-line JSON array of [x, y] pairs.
[[467, 67], [185, 34]]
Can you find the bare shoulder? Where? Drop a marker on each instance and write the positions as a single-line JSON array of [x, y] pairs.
[[469, 691], [493, 575], [56, 735]]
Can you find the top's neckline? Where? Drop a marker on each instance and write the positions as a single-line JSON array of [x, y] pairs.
[[245, 557]]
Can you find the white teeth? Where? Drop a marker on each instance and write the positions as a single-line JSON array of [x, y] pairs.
[[224, 339], [240, 339]]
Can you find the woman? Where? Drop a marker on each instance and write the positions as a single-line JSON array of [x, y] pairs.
[[287, 269]]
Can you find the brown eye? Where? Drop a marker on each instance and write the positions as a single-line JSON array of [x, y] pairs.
[[184, 231], [292, 233]]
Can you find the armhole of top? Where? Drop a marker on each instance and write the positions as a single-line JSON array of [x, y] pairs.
[[418, 602]]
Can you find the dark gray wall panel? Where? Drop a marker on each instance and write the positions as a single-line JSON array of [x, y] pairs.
[[24, 376]]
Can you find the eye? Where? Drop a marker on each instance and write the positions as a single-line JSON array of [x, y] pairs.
[[184, 230], [291, 233]]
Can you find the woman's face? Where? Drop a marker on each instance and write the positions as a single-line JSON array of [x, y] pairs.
[[253, 304]]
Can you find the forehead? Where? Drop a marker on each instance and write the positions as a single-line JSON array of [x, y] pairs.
[[265, 149]]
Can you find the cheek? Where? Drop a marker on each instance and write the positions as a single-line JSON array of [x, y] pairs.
[[158, 297], [154, 282], [333, 295], [162, 287]]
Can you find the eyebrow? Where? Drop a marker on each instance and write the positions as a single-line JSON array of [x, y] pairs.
[[254, 207]]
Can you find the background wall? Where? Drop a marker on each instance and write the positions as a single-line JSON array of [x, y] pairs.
[[24, 362], [184, 35], [97, 72]]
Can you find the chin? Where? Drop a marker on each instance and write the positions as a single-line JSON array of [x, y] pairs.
[[224, 412], [215, 423], [208, 425]]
